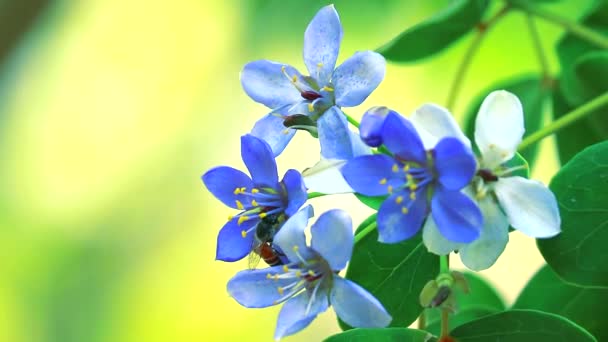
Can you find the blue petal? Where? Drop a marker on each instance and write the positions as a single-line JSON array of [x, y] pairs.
[[231, 245], [332, 238], [291, 239], [265, 83], [370, 128], [223, 180], [356, 306], [337, 140], [297, 313], [365, 174], [270, 128], [395, 223], [259, 159], [296, 191], [322, 44], [455, 163], [457, 217], [356, 78], [400, 137], [255, 289]]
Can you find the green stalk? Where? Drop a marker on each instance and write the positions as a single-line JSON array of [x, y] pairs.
[[315, 195], [360, 235]]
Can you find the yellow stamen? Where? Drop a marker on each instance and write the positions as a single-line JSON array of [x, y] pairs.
[[413, 186], [239, 205], [383, 181], [243, 234], [242, 219], [395, 168], [399, 199], [254, 203], [390, 189], [285, 131], [230, 217], [294, 79], [412, 196], [311, 107], [276, 277], [410, 178], [280, 289], [237, 191], [285, 268], [298, 273], [262, 215], [254, 191], [243, 189], [326, 88], [311, 273], [319, 65], [268, 276], [404, 210], [296, 248], [406, 168]]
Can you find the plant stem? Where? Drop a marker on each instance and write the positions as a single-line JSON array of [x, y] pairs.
[[565, 120], [422, 320], [540, 52], [576, 29], [315, 195], [351, 120], [444, 264], [468, 57], [445, 325], [360, 235]]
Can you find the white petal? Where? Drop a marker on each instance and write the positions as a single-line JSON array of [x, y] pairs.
[[326, 177], [530, 206], [483, 252], [434, 122], [499, 127], [435, 242]]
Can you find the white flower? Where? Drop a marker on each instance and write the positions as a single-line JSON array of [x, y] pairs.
[[505, 199]]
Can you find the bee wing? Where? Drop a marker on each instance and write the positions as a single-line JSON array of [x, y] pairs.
[[254, 258]]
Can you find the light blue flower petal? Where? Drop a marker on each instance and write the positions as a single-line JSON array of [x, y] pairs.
[[258, 288], [434, 123], [298, 312], [265, 83], [332, 238], [356, 78], [356, 306], [457, 216], [366, 174], [291, 238], [259, 159], [270, 128], [322, 44], [296, 191], [370, 128], [483, 252], [400, 137], [455, 163], [221, 181], [399, 218], [326, 177], [337, 140], [435, 242], [231, 245]]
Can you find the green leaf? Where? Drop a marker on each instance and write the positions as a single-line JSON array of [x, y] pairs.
[[532, 94], [579, 254], [481, 299], [394, 273], [584, 306], [382, 335], [521, 326], [436, 33], [373, 202]]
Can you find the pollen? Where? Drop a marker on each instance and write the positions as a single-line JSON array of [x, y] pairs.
[[280, 289], [242, 219], [383, 181], [298, 273], [243, 189], [285, 131], [296, 248], [244, 235], [237, 191], [395, 168], [268, 276], [410, 178], [254, 191], [326, 88], [239, 205], [412, 195], [319, 65], [294, 79], [262, 215], [406, 168], [230, 217], [404, 210], [285, 268], [311, 273], [390, 189], [399, 199], [311, 107], [254, 203], [413, 186], [276, 277]]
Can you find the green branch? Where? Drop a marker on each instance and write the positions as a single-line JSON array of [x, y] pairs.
[[351, 120], [540, 52], [360, 235], [315, 195]]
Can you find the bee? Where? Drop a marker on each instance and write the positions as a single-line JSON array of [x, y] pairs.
[[262, 243]]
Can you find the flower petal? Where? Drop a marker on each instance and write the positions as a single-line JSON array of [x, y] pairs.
[[337, 140], [356, 78], [530, 206], [326, 177], [298, 312], [371, 175], [435, 242], [255, 289], [456, 215], [454, 162], [332, 238], [401, 138], [322, 44], [370, 128], [483, 252], [259, 159], [356, 306], [231, 244], [291, 238], [266, 83], [395, 223], [221, 181], [296, 191], [270, 128], [433, 123], [499, 127]]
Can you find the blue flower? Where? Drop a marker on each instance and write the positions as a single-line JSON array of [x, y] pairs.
[[417, 180], [309, 283], [260, 197], [313, 102]]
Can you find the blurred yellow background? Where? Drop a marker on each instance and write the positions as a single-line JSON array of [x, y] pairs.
[[110, 112]]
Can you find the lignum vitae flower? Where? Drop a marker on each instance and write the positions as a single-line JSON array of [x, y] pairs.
[[417, 180], [308, 283], [259, 198], [504, 198], [313, 102]]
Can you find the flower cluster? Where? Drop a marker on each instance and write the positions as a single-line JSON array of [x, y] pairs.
[[423, 168]]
